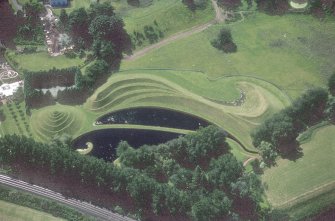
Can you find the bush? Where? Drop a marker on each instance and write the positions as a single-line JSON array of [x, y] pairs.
[[273, 7], [29, 49], [331, 84], [229, 4], [135, 3], [224, 41]]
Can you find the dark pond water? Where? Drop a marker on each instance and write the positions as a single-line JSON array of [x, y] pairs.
[[105, 141], [154, 117]]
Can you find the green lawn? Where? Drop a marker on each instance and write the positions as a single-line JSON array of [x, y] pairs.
[[294, 52], [293, 181], [171, 16], [42, 61], [12, 212]]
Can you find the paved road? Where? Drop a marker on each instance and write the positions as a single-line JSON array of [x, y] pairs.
[[84, 207], [219, 18]]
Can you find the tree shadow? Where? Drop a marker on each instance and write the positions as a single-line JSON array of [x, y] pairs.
[[291, 151]]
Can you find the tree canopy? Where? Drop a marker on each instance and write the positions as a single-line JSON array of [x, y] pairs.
[[149, 176]]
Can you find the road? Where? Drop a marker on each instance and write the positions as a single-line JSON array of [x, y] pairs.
[[219, 18], [84, 207]]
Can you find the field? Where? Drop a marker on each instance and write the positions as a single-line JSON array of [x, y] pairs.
[[12, 212], [42, 61], [171, 16], [293, 52], [291, 182]]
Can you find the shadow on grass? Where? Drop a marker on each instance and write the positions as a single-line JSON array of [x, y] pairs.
[[291, 151]]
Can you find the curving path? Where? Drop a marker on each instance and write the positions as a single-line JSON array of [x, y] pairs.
[[219, 17], [84, 207]]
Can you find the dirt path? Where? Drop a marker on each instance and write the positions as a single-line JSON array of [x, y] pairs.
[[219, 17], [245, 163]]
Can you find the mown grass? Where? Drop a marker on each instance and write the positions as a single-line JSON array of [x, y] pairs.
[[311, 206], [165, 89], [171, 16], [294, 52], [42, 61], [12, 212], [16, 121], [56, 120], [291, 181]]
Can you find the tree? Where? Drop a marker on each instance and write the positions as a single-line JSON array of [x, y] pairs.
[[63, 19], [330, 110], [224, 170], [182, 178], [32, 10], [273, 7], [98, 9], [229, 4], [309, 108], [111, 29], [205, 143], [122, 147], [141, 189], [224, 41], [268, 152], [78, 27], [94, 71], [198, 178], [212, 207], [331, 84], [135, 3]]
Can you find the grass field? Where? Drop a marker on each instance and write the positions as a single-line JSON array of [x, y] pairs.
[[294, 181], [12, 212], [294, 52], [42, 61]]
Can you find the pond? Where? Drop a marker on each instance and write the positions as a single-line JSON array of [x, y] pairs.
[[154, 117], [105, 141]]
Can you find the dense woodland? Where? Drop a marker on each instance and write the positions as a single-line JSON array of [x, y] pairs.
[[192, 177]]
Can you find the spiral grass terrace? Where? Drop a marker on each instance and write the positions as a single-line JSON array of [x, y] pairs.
[[56, 120], [165, 89]]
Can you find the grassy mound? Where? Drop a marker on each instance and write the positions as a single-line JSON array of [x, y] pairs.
[[56, 120], [181, 91]]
